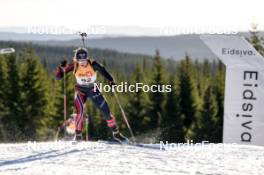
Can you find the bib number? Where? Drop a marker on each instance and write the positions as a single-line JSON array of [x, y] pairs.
[[86, 80]]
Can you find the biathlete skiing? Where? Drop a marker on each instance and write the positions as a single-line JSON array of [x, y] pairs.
[[84, 70]]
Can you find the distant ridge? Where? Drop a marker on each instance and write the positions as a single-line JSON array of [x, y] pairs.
[[175, 47]]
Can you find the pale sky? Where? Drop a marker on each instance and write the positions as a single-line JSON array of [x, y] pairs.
[[176, 16]]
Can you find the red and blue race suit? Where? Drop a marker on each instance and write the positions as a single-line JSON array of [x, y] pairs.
[[85, 87]]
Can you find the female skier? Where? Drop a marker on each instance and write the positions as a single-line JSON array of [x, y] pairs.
[[85, 70]]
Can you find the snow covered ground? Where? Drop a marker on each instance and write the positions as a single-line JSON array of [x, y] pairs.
[[63, 158]]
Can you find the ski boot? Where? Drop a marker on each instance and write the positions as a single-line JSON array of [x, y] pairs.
[[117, 136]]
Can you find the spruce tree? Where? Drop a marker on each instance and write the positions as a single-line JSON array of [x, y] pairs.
[[34, 111], [218, 84], [187, 95], [137, 105], [156, 98], [207, 122], [256, 40], [172, 122], [4, 109], [13, 96], [47, 130]]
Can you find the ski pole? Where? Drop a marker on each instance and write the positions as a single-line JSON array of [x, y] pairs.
[[57, 135], [86, 123], [64, 94], [124, 117]]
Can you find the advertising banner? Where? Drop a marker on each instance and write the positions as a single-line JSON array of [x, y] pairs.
[[244, 88]]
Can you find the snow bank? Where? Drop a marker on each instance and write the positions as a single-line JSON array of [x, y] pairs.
[[63, 158]]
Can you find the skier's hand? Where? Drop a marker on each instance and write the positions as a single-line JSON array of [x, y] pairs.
[[74, 60], [63, 63]]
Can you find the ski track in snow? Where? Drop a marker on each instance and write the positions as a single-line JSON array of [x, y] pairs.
[[64, 158]]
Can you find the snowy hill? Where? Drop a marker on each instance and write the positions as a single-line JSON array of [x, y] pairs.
[[99, 158]]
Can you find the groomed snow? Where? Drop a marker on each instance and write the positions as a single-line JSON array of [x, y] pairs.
[[63, 158]]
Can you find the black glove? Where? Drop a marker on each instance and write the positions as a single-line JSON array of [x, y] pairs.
[[63, 63]]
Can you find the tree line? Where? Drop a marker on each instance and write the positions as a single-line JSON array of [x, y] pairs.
[[31, 104], [31, 100]]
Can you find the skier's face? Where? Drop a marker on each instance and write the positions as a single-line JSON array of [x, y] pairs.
[[83, 63]]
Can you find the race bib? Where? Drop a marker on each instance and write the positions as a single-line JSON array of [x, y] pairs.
[[85, 75]]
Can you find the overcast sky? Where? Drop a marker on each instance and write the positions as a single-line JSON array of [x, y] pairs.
[[152, 16]]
